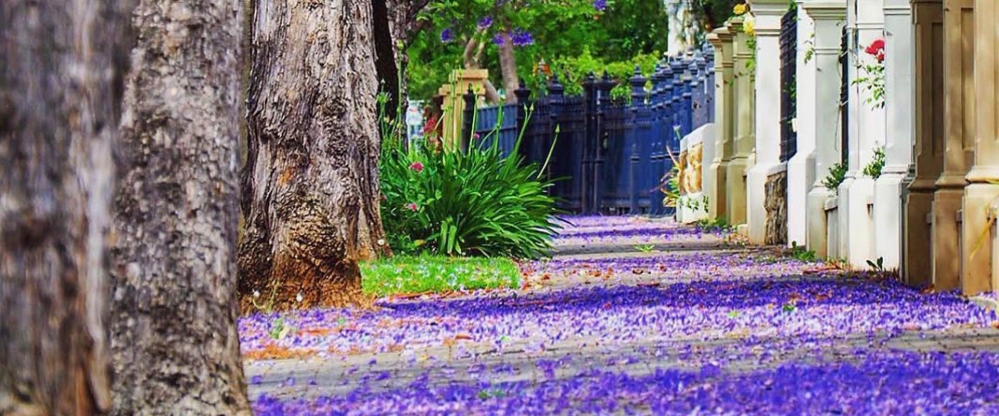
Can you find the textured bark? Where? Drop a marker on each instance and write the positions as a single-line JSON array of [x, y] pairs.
[[395, 22], [508, 67], [59, 88], [311, 181], [176, 349], [471, 58]]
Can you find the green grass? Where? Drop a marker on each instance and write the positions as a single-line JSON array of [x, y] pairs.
[[406, 274]]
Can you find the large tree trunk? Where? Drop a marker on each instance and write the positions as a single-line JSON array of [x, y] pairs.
[[59, 91], [311, 182], [174, 336]]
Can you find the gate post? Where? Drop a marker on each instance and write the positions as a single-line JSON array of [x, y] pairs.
[[588, 143]]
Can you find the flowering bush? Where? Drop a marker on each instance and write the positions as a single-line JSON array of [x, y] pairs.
[[873, 79], [464, 203]]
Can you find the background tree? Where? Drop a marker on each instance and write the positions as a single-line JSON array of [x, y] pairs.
[[176, 211], [310, 184], [470, 34], [59, 88], [395, 22]]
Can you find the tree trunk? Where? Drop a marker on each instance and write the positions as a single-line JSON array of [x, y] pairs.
[[311, 182], [174, 313], [59, 91], [508, 67], [395, 23], [471, 57], [389, 61]]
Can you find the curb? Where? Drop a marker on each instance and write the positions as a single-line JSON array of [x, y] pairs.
[[986, 303]]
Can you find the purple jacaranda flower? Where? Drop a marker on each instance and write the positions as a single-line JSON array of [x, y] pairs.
[[485, 22], [522, 38], [447, 35], [600, 5], [499, 39]]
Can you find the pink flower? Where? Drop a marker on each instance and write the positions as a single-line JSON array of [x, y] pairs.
[[417, 166], [412, 207]]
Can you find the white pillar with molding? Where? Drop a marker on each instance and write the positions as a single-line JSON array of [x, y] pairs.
[[900, 131], [801, 166], [768, 15], [867, 131], [828, 17]]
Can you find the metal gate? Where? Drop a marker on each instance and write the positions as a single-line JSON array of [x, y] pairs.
[[788, 70]]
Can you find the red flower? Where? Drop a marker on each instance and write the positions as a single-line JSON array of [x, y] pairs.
[[412, 207], [877, 49], [417, 166]]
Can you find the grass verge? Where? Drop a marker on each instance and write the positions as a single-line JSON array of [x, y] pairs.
[[423, 274]]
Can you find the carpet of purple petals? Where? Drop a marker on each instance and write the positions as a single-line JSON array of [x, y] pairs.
[[675, 300]]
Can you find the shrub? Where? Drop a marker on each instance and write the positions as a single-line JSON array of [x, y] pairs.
[[877, 163], [837, 174], [451, 202]]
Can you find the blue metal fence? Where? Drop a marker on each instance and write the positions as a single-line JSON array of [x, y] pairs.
[[609, 156]]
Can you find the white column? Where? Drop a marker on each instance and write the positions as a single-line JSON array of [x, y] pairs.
[[768, 14], [867, 130], [900, 131], [828, 17], [801, 167]]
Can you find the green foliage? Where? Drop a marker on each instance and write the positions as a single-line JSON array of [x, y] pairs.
[[452, 202], [421, 274], [837, 174], [645, 248], [573, 70], [561, 30], [878, 266], [872, 80], [877, 163], [670, 183], [801, 253], [714, 225]]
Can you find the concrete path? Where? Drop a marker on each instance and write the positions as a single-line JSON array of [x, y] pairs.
[[638, 317]]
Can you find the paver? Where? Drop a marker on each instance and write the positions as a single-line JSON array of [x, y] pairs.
[[715, 318]]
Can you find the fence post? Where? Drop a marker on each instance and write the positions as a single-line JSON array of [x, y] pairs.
[[685, 97], [556, 96], [589, 137], [709, 85], [637, 115], [526, 142], [468, 126], [600, 137]]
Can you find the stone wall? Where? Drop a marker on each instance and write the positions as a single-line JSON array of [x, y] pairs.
[[776, 206]]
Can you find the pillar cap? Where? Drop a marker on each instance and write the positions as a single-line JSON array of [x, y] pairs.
[[768, 7], [826, 10]]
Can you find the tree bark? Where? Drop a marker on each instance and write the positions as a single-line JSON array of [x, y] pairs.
[[174, 336], [508, 67], [395, 22], [311, 182], [59, 87], [471, 57]]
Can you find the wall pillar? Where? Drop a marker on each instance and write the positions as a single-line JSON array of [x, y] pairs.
[[721, 39], [828, 17], [982, 193], [898, 141], [744, 104], [801, 166], [767, 87], [959, 86], [928, 20], [867, 131]]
